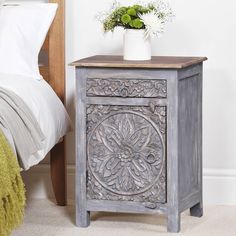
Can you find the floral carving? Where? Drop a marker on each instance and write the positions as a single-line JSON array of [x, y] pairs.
[[126, 88], [126, 156]]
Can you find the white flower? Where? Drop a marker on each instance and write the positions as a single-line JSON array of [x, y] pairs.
[[153, 24]]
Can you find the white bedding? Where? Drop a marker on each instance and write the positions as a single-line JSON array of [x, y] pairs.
[[23, 29], [46, 107]]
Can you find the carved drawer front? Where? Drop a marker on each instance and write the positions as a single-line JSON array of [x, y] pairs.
[[126, 153], [126, 88]]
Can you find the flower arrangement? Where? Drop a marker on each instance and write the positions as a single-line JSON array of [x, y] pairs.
[[150, 16]]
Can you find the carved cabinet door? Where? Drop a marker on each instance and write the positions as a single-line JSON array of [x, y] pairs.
[[126, 157]]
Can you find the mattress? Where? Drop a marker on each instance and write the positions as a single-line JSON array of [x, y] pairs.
[[45, 106]]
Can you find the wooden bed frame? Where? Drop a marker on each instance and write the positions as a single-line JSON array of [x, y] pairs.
[[54, 74]]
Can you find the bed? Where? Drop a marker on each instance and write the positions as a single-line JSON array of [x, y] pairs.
[[54, 73]]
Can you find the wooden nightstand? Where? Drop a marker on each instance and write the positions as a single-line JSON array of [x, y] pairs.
[[139, 136]]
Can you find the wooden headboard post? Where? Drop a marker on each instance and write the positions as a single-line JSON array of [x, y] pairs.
[[54, 48], [57, 51], [55, 45]]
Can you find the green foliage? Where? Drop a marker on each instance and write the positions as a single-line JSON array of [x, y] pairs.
[[137, 24], [132, 12], [130, 17], [127, 17], [114, 19], [142, 9], [131, 24]]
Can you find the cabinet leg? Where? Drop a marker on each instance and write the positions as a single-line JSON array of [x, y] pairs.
[[173, 222], [196, 210], [82, 218]]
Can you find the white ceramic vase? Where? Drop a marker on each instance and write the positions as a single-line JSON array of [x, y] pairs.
[[136, 46]]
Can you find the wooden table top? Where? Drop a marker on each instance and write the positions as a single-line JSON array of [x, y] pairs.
[[162, 62]]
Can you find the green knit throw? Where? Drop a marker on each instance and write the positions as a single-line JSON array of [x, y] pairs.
[[12, 189]]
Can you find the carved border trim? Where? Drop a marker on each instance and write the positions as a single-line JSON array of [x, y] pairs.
[[133, 88]]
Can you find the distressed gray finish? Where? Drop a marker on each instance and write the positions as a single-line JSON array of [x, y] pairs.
[[126, 153], [82, 215], [139, 153], [114, 87], [128, 207]]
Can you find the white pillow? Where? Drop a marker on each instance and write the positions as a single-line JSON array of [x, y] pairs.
[[22, 33], [1, 3]]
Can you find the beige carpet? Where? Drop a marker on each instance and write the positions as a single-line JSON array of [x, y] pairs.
[[44, 218]]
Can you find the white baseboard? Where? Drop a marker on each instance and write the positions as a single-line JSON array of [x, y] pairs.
[[219, 185], [38, 182]]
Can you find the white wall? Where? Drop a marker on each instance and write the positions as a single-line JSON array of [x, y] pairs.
[[201, 28]]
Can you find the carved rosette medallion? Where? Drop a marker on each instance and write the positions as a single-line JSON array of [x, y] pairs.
[[126, 153]]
